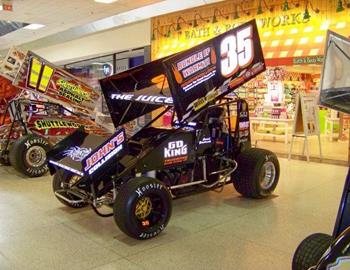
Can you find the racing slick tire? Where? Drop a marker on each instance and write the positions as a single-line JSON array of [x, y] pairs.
[[310, 251], [142, 208], [257, 173], [61, 181], [28, 155]]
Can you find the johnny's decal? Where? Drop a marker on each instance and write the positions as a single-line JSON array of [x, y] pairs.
[[104, 153], [48, 124], [143, 98]]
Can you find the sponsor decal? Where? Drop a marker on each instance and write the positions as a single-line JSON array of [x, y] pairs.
[[237, 51], [205, 140], [77, 153], [48, 124], [140, 191], [342, 263], [36, 171], [244, 110], [146, 235], [72, 91], [143, 98], [66, 167], [34, 141], [108, 150], [195, 69], [176, 152], [39, 75], [244, 125]]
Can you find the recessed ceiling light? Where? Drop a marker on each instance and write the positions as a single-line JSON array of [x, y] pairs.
[[106, 1], [34, 26]]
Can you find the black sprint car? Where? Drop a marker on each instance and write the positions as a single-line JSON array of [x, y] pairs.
[[207, 146]]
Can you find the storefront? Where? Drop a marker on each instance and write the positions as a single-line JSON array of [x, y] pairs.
[[293, 36]]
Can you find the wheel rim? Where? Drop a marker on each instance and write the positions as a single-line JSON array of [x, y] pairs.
[[149, 211], [268, 175], [143, 208], [35, 156]]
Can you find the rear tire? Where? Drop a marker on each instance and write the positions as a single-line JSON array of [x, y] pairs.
[[310, 251], [28, 155], [257, 173], [142, 208], [61, 181]]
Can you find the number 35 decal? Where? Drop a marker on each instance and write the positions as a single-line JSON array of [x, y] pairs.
[[236, 51]]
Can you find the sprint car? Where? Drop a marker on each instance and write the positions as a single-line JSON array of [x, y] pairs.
[[40, 104], [321, 251], [206, 147]]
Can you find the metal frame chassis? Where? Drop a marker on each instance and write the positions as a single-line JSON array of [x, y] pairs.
[[104, 190]]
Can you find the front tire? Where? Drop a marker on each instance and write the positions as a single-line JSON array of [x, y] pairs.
[[257, 174], [142, 208], [62, 180], [310, 251], [28, 155]]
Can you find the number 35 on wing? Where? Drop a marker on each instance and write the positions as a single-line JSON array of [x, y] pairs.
[[237, 51]]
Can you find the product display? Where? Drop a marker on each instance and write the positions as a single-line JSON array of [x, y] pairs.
[[138, 176]]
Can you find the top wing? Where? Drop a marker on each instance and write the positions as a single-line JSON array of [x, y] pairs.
[[55, 84], [214, 68], [192, 78]]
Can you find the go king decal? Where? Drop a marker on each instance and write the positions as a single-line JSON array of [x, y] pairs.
[[175, 149], [104, 153], [236, 51]]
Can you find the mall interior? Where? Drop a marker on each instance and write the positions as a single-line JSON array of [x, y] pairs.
[[77, 139]]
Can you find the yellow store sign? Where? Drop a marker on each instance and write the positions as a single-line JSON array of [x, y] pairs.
[[288, 29]]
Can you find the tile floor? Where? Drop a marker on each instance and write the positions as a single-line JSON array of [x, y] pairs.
[[206, 231]]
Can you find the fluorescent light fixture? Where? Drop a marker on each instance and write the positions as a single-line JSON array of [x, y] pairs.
[[319, 39], [280, 32], [34, 26], [314, 51], [269, 55], [267, 34], [325, 25], [308, 29], [298, 53], [303, 40], [289, 42], [106, 1], [275, 43], [1, 7], [340, 25], [283, 53], [294, 31]]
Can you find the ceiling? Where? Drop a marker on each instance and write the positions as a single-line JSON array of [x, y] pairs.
[[66, 20], [59, 16]]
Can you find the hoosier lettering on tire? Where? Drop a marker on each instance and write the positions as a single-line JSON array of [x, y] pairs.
[[142, 208], [28, 155]]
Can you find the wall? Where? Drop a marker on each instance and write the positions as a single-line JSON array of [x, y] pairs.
[[116, 40]]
